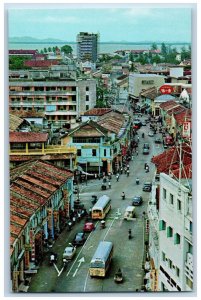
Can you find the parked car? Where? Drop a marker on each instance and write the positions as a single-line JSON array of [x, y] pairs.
[[158, 141], [151, 133], [69, 252], [88, 227], [145, 151], [79, 239], [137, 200], [147, 187], [146, 146]]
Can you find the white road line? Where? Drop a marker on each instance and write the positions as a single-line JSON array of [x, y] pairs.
[[60, 272], [56, 268], [80, 252], [109, 229], [85, 284], [75, 272]]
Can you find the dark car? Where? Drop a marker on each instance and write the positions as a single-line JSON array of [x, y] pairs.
[[145, 151], [137, 200], [79, 239], [146, 146], [158, 141], [147, 187]]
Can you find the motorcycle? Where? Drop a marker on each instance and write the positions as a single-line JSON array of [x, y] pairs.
[[53, 258], [102, 223], [123, 196], [142, 135], [118, 277], [137, 181], [129, 234], [65, 263]]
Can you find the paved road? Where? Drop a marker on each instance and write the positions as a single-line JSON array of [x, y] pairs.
[[128, 254]]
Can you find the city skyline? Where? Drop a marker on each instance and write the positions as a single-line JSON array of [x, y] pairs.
[[137, 24]]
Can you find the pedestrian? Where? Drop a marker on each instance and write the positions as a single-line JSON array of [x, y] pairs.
[[132, 157], [117, 176], [121, 170], [138, 138], [137, 152], [109, 184], [145, 166], [95, 176]]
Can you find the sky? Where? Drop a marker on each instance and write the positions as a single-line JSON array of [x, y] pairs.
[[132, 24]]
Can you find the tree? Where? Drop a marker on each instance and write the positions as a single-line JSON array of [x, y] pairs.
[[49, 49], [154, 46], [131, 56], [163, 50], [66, 49], [41, 51], [45, 50]]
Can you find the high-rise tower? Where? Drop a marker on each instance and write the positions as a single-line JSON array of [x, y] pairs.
[[87, 46]]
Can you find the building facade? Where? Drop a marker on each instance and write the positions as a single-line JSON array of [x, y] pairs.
[[87, 46], [61, 101], [175, 235]]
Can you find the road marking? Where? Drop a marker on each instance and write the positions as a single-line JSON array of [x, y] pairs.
[[85, 284], [56, 268], [60, 272], [109, 228], [75, 272]]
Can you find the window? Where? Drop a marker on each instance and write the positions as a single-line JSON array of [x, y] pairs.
[[87, 107], [162, 225], [170, 263], [93, 152], [73, 88], [177, 272], [189, 283], [87, 97], [171, 199], [178, 204], [176, 239], [164, 193], [163, 256], [87, 88], [105, 152], [78, 152], [191, 227], [147, 81], [169, 231]]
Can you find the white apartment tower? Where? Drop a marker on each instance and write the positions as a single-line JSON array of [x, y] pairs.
[[175, 235], [87, 46]]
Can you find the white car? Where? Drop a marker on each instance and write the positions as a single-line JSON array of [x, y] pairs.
[[69, 252], [150, 133]]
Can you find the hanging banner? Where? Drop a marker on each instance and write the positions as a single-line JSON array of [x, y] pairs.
[[187, 129], [166, 89]]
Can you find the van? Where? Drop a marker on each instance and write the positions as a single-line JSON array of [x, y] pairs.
[[129, 213]]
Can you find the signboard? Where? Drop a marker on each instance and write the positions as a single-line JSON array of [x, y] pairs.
[[186, 129], [166, 89]]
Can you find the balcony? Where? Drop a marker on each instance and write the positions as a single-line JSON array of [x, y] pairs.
[[61, 113], [50, 149]]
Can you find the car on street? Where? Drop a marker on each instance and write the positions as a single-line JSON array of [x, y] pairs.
[[69, 252], [79, 239], [146, 146], [88, 227], [145, 151], [158, 141], [137, 200], [147, 187], [151, 133]]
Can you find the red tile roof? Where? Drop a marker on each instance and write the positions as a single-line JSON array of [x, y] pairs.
[[168, 105], [178, 109], [169, 160], [23, 52], [183, 116], [97, 111], [41, 63], [32, 185], [28, 137]]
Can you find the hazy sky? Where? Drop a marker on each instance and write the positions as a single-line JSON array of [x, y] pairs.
[[113, 24]]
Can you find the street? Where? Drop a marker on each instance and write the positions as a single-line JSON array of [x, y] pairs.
[[128, 254]]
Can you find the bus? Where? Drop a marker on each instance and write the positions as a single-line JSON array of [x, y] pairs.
[[101, 208], [101, 260]]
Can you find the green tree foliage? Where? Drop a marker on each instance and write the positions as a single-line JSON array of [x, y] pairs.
[[185, 53], [17, 62], [41, 51], [131, 56], [164, 50], [154, 46], [67, 49], [49, 49], [45, 50]]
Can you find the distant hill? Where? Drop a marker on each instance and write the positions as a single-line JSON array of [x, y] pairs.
[[28, 39]]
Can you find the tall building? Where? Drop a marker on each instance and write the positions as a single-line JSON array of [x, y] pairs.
[[61, 100], [87, 46]]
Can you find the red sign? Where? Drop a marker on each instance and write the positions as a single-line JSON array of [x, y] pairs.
[[186, 129], [166, 89]]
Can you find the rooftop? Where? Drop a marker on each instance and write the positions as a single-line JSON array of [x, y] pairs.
[[97, 111], [27, 137]]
